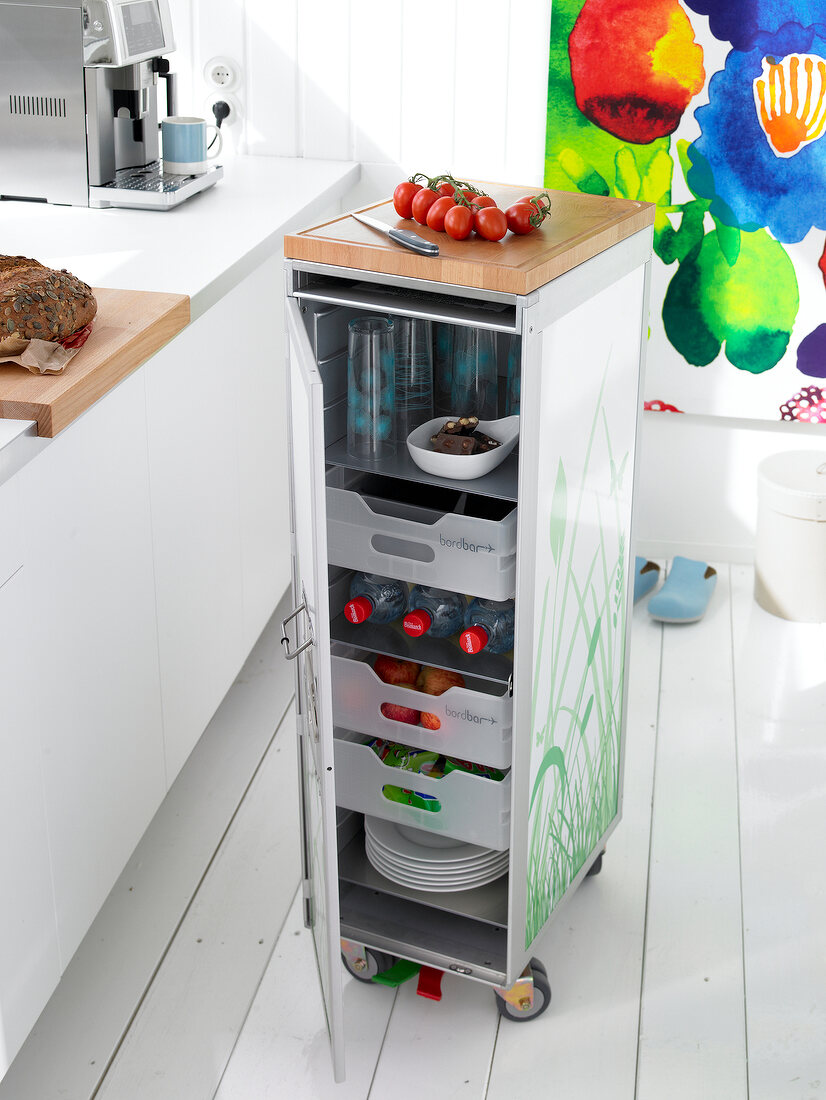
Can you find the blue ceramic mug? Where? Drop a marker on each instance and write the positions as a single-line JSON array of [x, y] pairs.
[[184, 141]]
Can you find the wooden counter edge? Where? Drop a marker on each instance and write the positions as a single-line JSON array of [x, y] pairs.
[[81, 393], [390, 260]]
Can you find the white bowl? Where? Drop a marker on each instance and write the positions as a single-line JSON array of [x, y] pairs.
[[463, 467]]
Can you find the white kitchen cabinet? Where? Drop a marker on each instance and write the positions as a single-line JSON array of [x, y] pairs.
[[575, 297], [218, 473], [89, 632], [29, 954]]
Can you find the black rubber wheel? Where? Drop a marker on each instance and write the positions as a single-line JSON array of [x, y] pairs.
[[541, 997], [596, 866], [377, 963]]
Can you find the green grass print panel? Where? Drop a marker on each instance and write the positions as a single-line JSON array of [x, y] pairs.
[[578, 677]]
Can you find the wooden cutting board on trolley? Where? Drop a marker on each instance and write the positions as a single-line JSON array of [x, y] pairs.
[[579, 227], [129, 327]]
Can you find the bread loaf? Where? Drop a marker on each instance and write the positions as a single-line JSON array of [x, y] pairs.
[[37, 303]]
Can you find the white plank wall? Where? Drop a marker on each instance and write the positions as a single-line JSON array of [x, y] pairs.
[[461, 90]]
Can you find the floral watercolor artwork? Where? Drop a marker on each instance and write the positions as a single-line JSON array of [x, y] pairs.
[[715, 110]]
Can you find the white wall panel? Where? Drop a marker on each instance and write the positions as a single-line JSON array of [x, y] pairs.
[[527, 91], [324, 62], [273, 79], [481, 91], [375, 87], [427, 87]]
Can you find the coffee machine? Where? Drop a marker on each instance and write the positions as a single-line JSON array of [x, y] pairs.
[[79, 83]]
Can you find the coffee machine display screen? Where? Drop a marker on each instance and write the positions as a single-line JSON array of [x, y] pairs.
[[142, 26]]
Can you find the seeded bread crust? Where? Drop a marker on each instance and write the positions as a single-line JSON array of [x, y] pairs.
[[37, 303]]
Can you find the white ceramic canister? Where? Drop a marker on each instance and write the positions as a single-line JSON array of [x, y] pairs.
[[790, 550]]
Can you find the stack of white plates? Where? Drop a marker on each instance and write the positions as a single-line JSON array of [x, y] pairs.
[[428, 861]]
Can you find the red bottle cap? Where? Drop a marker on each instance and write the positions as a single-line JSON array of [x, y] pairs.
[[473, 639], [359, 609], [417, 622]]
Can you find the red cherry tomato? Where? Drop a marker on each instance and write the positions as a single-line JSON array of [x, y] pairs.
[[490, 222], [542, 200], [481, 201], [403, 197], [446, 189], [436, 214], [459, 222], [519, 217], [422, 202]]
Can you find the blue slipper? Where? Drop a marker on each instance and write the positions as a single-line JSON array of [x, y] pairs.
[[684, 596], [646, 575]]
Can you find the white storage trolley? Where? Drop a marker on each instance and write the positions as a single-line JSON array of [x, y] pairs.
[[550, 527]]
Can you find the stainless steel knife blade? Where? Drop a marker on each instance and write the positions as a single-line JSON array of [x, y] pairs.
[[403, 237]]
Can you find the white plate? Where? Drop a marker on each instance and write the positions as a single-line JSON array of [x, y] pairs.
[[388, 836], [462, 467], [438, 887], [423, 878], [431, 865], [448, 872]]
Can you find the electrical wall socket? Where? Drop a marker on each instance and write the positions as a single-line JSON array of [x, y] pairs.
[[234, 116], [222, 72]]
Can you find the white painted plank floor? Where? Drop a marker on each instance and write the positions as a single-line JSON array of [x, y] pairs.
[[693, 967]]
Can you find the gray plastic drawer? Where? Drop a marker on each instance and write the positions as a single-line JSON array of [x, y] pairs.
[[476, 721], [462, 553], [472, 808]]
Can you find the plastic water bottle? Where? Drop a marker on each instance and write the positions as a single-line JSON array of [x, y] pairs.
[[435, 612], [488, 625], [380, 599]]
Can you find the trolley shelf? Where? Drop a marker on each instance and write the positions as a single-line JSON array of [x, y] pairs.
[[501, 482], [409, 930], [484, 903], [442, 652]]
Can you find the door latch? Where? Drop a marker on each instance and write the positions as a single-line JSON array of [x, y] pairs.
[[291, 654]]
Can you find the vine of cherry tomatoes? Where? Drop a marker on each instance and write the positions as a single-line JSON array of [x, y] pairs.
[[457, 208]]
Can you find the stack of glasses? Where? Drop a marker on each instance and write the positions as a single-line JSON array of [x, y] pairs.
[[399, 371]]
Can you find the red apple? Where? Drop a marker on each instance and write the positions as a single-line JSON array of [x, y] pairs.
[[392, 670], [397, 713], [434, 681], [431, 721]]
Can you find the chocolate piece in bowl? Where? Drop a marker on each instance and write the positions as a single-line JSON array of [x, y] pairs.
[[449, 444]]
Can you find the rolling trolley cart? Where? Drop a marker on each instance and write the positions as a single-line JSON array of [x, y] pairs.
[[550, 527]]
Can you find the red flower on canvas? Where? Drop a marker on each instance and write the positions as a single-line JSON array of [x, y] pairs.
[[635, 66]]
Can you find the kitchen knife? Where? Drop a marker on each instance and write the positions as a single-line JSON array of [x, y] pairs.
[[401, 236]]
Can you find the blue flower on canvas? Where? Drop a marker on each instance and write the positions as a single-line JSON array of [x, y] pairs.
[[748, 23], [761, 154]]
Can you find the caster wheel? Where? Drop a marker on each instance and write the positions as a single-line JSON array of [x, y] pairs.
[[541, 997], [377, 963], [596, 866]]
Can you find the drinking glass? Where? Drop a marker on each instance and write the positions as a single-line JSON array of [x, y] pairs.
[[442, 368], [371, 388], [475, 390], [514, 377], [413, 344]]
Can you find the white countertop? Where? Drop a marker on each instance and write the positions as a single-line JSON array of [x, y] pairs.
[[202, 248]]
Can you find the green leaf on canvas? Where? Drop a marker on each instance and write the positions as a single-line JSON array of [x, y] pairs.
[[728, 238], [627, 176]]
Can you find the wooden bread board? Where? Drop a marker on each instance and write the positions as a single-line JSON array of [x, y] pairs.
[[130, 326], [579, 227]]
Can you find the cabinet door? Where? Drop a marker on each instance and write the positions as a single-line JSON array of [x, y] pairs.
[[313, 683], [575, 555]]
